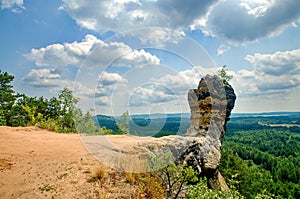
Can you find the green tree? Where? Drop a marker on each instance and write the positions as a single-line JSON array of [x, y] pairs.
[[68, 106], [86, 124], [53, 109], [123, 123], [175, 177], [223, 74], [7, 98]]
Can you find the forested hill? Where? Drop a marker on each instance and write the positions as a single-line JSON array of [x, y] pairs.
[[261, 152], [166, 124]]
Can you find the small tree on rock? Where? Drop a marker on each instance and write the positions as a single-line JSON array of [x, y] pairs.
[[223, 74]]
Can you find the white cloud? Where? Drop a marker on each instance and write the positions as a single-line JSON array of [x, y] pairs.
[[108, 79], [279, 63], [108, 83], [123, 15], [276, 73], [239, 21], [185, 80], [94, 52], [257, 8], [236, 21], [151, 94], [44, 78], [64, 54], [222, 49], [52, 80], [14, 5], [157, 37]]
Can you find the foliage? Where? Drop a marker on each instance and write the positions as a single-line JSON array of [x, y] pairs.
[[86, 125], [223, 74], [201, 191], [57, 114], [175, 177], [262, 163], [7, 98], [2, 118], [50, 124], [123, 123], [68, 103], [151, 187]]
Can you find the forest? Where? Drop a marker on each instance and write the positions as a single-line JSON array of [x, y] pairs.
[[260, 154], [258, 159]]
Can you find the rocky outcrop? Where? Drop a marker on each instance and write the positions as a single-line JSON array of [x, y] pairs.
[[211, 104]]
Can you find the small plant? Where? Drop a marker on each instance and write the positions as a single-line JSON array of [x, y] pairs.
[[174, 177], [150, 186], [201, 191], [62, 176], [47, 188], [49, 124], [99, 173], [130, 177], [223, 74]]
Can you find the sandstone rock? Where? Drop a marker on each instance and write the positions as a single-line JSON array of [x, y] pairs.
[[211, 104]]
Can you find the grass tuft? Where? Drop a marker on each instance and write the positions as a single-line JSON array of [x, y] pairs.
[[99, 173]]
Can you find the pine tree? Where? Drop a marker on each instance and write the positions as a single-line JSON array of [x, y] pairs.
[[7, 98]]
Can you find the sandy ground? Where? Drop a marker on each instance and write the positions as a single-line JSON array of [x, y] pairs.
[[36, 163]]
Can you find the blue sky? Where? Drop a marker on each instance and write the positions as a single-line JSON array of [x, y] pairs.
[[144, 55]]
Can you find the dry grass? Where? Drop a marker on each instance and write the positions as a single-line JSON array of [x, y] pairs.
[[113, 184], [131, 164], [102, 194], [99, 173]]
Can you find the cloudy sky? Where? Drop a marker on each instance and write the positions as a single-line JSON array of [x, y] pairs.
[[144, 55]]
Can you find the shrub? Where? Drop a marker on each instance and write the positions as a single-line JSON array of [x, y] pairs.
[[49, 124], [99, 173]]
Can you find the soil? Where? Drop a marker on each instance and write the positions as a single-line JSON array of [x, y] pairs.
[[36, 163]]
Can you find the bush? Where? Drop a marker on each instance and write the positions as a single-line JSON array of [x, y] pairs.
[[49, 124], [201, 191]]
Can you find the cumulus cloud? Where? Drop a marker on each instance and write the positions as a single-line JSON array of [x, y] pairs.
[[14, 5], [255, 19], [118, 16], [108, 79], [44, 78], [169, 88], [185, 80], [222, 49], [108, 83], [95, 53], [158, 37], [279, 63], [272, 74], [51, 79], [151, 94]]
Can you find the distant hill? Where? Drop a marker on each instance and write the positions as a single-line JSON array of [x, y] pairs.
[[265, 114], [158, 125], [107, 121]]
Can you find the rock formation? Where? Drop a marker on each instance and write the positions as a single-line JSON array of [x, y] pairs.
[[211, 104]]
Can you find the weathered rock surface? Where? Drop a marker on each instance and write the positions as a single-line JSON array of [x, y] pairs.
[[211, 104]]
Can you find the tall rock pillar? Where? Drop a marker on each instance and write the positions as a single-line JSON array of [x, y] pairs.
[[211, 104]]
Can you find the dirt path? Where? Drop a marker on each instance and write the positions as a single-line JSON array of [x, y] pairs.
[[36, 163]]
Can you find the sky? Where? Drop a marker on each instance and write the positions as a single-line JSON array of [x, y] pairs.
[[144, 55]]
